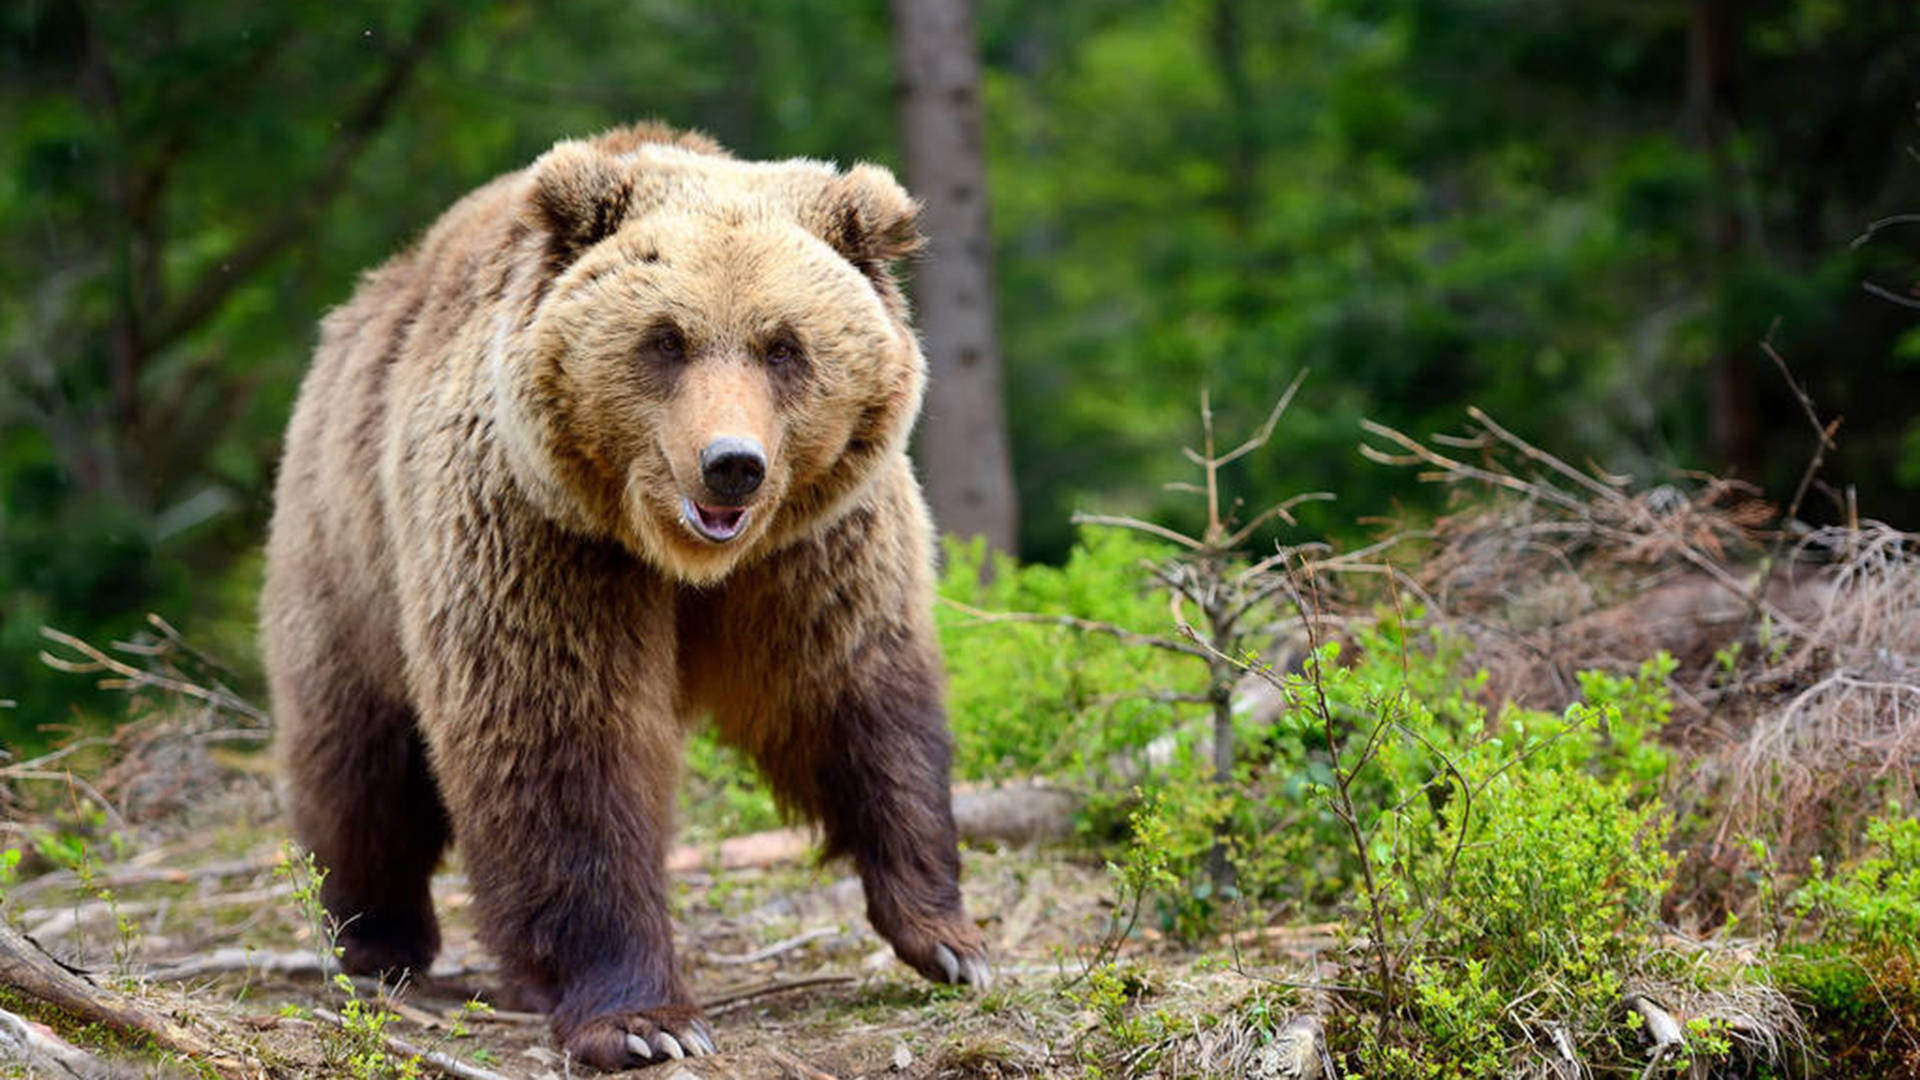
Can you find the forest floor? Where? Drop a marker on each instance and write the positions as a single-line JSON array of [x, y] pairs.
[[209, 925]]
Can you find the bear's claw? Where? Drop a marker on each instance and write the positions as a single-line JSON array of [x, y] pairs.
[[971, 971], [643, 1038]]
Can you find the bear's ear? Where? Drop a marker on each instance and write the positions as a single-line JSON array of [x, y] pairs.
[[580, 196], [871, 220]]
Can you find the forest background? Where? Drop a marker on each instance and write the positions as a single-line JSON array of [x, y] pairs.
[[1584, 218]]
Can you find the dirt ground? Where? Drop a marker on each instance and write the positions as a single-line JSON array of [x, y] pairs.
[[205, 924]]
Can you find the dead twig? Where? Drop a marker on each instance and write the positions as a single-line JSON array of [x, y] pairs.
[[778, 948], [792, 1068], [1124, 635], [120, 675], [733, 999]]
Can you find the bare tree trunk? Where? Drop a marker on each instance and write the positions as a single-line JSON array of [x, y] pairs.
[[963, 437]]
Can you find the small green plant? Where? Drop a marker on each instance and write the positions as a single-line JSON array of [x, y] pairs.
[[360, 1048], [470, 1008], [1112, 992], [304, 876], [355, 1045]]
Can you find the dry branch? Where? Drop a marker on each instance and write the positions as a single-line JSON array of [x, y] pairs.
[[130, 875], [27, 969], [733, 999], [1014, 814], [54, 922], [37, 1051], [120, 675], [1125, 636]]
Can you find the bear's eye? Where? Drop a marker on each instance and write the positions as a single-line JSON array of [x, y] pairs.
[[782, 352], [668, 343]]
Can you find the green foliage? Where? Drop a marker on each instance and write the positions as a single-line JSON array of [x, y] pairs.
[[1522, 858], [1027, 698], [723, 794], [1406, 706], [358, 1047], [1551, 902], [1872, 906]]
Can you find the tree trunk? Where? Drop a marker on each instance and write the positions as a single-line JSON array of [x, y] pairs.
[[1732, 412], [963, 436]]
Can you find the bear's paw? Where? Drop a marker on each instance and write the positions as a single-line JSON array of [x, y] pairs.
[[630, 1039], [947, 950]]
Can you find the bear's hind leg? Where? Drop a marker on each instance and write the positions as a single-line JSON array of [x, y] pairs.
[[364, 801]]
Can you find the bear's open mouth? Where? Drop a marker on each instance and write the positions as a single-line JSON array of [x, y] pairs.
[[717, 523]]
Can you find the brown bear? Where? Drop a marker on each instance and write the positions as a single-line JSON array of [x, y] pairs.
[[619, 444]]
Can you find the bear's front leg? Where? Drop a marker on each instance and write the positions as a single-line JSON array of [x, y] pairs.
[[858, 740], [886, 800], [547, 696]]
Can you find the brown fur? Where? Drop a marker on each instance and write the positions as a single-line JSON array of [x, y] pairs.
[[485, 616]]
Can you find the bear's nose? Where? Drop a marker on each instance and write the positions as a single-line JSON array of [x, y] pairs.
[[733, 466]]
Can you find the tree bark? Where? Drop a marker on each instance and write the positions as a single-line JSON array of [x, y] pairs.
[[963, 436], [1732, 411]]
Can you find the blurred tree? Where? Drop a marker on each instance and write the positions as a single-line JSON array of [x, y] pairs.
[[963, 432], [1499, 201]]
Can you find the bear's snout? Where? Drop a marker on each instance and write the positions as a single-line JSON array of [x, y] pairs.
[[733, 467]]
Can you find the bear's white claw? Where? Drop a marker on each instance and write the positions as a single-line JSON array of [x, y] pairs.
[[976, 973], [948, 962], [700, 1042], [638, 1045], [671, 1045]]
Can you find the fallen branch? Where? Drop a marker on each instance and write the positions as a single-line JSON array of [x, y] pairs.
[[1011, 814], [295, 963], [55, 922], [733, 999], [26, 968], [37, 1051], [778, 948], [129, 875]]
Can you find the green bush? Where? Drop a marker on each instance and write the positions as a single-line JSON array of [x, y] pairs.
[[1872, 906], [1028, 698]]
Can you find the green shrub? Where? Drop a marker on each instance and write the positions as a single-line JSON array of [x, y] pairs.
[[1872, 906], [1026, 698]]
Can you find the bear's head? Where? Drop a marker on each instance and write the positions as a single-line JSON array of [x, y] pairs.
[[713, 358]]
